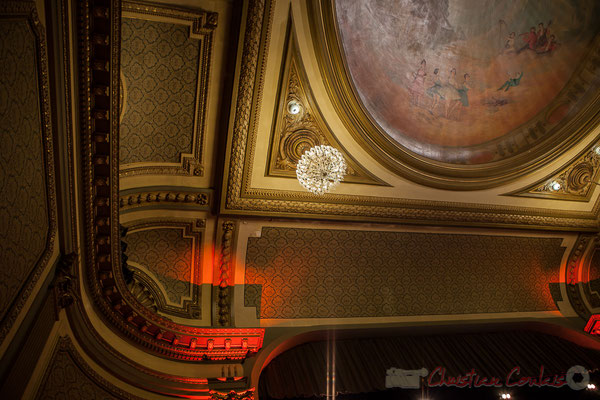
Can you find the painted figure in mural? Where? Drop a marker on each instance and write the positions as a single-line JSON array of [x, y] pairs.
[[434, 91], [450, 92], [542, 35], [462, 91], [550, 46], [417, 87], [530, 39], [509, 44], [511, 82]]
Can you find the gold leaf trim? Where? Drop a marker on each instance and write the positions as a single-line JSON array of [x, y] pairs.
[[576, 179], [292, 135]]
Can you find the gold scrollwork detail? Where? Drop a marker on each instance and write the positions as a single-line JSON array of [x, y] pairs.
[[574, 182], [142, 293], [299, 126]]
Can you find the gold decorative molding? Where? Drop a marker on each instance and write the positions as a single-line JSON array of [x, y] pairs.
[[293, 134], [64, 283], [141, 291], [163, 197], [223, 291], [576, 180], [232, 395], [241, 199], [579, 259], [202, 27]]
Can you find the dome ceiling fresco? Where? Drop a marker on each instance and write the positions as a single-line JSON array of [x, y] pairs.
[[470, 81]]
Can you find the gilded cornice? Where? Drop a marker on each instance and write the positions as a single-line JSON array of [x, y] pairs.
[[162, 198], [28, 11], [576, 180]]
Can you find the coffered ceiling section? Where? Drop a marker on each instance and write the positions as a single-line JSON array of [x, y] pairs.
[[302, 273], [309, 52], [165, 259], [168, 55]]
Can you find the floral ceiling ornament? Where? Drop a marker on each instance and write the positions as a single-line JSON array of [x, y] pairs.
[[321, 169]]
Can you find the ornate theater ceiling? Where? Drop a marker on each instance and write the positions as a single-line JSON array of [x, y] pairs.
[[470, 82], [181, 253]]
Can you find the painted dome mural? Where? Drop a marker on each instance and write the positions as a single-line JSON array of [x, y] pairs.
[[471, 81]]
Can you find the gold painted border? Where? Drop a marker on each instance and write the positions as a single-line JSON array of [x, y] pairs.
[[28, 11], [202, 27]]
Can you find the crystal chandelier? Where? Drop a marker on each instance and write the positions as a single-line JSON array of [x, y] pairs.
[[320, 169]]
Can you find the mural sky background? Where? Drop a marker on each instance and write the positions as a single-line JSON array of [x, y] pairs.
[[385, 42]]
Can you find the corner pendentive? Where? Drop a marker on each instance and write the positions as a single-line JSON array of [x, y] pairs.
[[299, 125], [575, 181]]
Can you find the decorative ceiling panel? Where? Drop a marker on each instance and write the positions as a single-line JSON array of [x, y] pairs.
[[452, 128], [159, 63], [247, 191], [324, 273], [165, 63], [27, 204], [466, 82], [167, 255], [69, 377]]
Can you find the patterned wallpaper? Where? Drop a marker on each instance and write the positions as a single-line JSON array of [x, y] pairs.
[[316, 273], [159, 63], [23, 201], [167, 254], [69, 377]]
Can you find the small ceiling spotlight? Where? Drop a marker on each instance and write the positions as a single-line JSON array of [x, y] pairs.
[[597, 151], [294, 107], [505, 396], [591, 386], [555, 186]]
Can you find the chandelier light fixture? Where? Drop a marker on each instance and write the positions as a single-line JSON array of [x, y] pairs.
[[320, 169]]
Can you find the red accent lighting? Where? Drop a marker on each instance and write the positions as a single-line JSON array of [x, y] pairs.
[[593, 325]]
